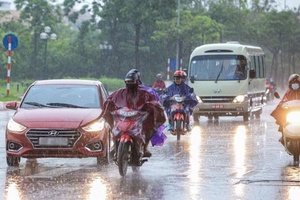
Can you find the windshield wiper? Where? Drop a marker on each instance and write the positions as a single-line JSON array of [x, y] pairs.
[[219, 73], [36, 104], [68, 105]]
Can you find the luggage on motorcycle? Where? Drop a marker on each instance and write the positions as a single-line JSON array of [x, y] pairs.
[[159, 137]]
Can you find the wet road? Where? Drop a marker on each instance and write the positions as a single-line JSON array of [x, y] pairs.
[[225, 159]]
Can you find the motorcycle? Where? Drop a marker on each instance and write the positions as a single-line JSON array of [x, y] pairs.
[[178, 115], [158, 90], [288, 115], [129, 141], [269, 91]]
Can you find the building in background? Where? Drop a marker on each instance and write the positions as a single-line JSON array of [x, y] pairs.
[[11, 14]]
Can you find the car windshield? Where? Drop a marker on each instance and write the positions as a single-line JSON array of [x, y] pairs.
[[220, 67], [62, 96]]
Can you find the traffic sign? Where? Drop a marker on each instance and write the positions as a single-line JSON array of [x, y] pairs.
[[14, 41]]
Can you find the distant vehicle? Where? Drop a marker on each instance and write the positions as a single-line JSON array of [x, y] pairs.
[[229, 80], [59, 118]]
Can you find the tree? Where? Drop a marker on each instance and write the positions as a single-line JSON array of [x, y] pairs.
[[37, 14]]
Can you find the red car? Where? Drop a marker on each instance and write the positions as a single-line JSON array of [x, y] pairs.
[[59, 118]]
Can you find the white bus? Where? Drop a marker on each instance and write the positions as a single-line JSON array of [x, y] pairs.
[[229, 79]]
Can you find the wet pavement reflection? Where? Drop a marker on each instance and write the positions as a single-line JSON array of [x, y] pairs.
[[219, 159]]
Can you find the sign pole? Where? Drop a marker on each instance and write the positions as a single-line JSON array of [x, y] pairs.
[[168, 70], [10, 42], [8, 66]]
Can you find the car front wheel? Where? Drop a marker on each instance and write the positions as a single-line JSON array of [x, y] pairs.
[[13, 161]]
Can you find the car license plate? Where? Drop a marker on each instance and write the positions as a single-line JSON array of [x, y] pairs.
[[217, 106], [53, 141]]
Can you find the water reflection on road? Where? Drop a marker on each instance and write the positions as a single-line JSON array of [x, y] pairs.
[[219, 159]]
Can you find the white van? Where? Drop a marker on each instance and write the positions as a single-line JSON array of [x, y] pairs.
[[229, 79]]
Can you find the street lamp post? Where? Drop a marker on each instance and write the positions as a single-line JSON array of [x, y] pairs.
[[45, 36]]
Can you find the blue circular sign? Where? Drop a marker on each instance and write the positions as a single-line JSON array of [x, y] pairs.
[[14, 41]]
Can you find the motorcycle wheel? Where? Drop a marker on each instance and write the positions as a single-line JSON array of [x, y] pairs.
[[179, 128], [123, 158]]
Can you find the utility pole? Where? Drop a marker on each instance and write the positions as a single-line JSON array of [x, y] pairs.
[[177, 45]]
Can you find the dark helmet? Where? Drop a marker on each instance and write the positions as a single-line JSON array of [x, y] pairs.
[[132, 82], [137, 73], [131, 77]]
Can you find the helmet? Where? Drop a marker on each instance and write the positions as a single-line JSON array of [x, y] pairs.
[[184, 75], [131, 77], [178, 73], [159, 76], [137, 73], [294, 78]]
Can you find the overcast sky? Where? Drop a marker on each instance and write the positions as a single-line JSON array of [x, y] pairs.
[[289, 3]]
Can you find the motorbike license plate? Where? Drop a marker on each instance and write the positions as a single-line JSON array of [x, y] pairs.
[[217, 106], [57, 141]]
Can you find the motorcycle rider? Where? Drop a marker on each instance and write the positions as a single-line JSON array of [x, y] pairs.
[[179, 87], [292, 93], [159, 130], [134, 97], [159, 83]]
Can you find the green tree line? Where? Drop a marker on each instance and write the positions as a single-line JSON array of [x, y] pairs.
[[118, 35]]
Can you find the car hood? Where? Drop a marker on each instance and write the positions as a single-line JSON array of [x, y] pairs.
[[60, 117]]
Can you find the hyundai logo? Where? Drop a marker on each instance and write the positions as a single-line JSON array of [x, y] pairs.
[[53, 133], [217, 91]]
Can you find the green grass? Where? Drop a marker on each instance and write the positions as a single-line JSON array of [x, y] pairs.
[[16, 91]]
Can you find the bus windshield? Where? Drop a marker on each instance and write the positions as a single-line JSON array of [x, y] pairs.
[[218, 67]]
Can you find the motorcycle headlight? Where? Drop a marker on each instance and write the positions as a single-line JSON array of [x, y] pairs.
[[240, 99], [95, 126], [293, 117], [14, 126]]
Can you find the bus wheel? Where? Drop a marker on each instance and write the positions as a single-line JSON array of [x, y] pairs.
[[246, 116], [258, 113]]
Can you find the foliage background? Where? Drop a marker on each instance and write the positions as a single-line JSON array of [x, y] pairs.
[[104, 39]]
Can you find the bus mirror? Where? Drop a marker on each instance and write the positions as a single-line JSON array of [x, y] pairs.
[[252, 74], [192, 79]]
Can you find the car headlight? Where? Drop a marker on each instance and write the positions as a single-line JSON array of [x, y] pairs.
[[14, 126], [293, 117], [95, 126], [239, 99]]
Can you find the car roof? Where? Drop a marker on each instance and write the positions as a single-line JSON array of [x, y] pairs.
[[67, 82]]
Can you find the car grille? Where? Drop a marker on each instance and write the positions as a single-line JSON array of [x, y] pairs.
[[69, 137], [220, 99]]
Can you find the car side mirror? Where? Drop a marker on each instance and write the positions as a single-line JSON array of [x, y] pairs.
[[12, 105], [192, 79]]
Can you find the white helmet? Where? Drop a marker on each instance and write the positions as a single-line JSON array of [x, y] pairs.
[[159, 76], [294, 78]]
